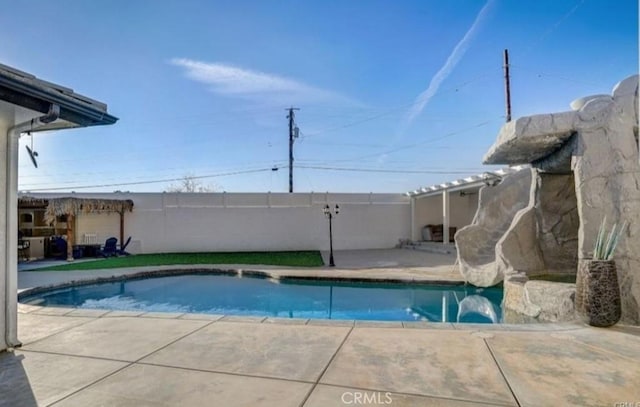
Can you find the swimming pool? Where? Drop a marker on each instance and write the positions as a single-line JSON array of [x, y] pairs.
[[251, 296]]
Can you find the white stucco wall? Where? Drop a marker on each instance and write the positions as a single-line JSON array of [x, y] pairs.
[[170, 222], [462, 209]]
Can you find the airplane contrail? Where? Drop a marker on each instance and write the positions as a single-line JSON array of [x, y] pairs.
[[442, 74]]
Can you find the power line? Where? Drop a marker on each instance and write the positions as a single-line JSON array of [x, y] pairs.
[[409, 146], [276, 167], [150, 182], [396, 109], [378, 170], [168, 148], [172, 171], [552, 75], [191, 140], [25, 186]]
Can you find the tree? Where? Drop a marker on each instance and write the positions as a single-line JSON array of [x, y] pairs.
[[189, 183]]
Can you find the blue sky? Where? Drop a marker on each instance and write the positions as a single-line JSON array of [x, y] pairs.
[[410, 91]]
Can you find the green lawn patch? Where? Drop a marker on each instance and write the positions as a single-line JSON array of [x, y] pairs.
[[300, 259]]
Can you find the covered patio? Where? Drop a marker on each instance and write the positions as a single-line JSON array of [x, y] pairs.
[[450, 206], [70, 209]]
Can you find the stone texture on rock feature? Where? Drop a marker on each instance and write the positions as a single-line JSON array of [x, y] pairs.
[[557, 222], [496, 208], [555, 300], [515, 299], [537, 301], [531, 138], [541, 238], [559, 161], [518, 249], [626, 94], [607, 176], [601, 137], [578, 103]]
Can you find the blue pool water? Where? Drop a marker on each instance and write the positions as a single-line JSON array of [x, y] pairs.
[[249, 296]]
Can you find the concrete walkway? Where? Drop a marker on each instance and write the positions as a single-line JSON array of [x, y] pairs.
[[98, 358]]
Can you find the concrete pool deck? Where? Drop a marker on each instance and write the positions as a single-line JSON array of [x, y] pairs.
[[98, 358], [77, 357]]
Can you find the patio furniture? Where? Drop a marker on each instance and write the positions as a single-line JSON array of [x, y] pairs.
[[78, 252], [435, 233], [58, 248], [110, 248], [90, 239], [90, 250], [122, 251], [23, 246]]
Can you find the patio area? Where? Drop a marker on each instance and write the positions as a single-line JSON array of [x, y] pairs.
[[99, 358], [78, 357]]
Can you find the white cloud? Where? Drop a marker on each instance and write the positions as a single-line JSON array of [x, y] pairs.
[[444, 72], [239, 82]]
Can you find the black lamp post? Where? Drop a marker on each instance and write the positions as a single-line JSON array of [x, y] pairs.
[[329, 214]]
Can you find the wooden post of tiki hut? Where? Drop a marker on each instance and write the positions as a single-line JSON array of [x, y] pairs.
[[121, 213], [70, 236]]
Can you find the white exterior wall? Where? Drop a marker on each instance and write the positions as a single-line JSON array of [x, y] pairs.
[[104, 225], [462, 209], [428, 211], [191, 222]]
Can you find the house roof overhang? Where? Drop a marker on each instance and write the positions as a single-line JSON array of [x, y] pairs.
[[25, 90]]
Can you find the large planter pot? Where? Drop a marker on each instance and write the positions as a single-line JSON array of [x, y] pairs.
[[597, 292]]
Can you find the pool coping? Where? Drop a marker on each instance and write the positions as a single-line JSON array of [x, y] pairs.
[[473, 327]]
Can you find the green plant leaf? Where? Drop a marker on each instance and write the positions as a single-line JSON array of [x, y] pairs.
[[609, 241], [598, 249], [612, 247]]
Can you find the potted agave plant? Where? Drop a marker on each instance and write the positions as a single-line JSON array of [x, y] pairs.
[[597, 292]]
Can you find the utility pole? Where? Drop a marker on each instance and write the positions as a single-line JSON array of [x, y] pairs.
[[291, 117], [507, 88]]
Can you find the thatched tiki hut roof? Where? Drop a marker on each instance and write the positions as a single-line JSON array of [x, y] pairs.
[[71, 207], [74, 206]]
